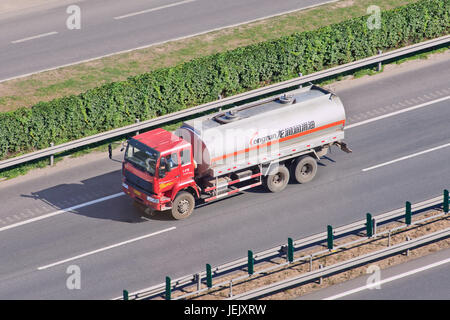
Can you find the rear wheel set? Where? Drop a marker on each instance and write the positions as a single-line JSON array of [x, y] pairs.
[[303, 170]]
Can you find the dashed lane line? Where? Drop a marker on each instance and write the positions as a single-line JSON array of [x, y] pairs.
[[105, 248]]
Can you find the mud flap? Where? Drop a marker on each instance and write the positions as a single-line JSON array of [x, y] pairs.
[[344, 147]]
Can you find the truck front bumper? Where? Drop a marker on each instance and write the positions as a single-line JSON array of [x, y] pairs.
[[155, 202]]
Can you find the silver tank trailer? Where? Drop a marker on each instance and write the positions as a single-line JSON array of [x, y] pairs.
[[257, 129]]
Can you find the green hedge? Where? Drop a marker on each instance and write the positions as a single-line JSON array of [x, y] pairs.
[[201, 80]]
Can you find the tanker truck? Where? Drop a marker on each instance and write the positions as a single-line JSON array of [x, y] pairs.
[[266, 142]]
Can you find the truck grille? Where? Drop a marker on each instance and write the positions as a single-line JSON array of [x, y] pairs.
[[138, 183]]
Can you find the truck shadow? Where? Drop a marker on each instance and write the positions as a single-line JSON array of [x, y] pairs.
[[324, 160], [90, 198]]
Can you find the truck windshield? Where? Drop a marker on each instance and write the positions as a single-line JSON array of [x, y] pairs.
[[142, 156]]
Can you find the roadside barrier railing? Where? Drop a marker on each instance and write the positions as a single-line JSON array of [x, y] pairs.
[[368, 227]]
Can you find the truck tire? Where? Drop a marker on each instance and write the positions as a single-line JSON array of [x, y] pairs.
[[277, 181], [304, 169], [183, 205]]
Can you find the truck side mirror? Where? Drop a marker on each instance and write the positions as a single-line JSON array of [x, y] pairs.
[[124, 144], [162, 168]]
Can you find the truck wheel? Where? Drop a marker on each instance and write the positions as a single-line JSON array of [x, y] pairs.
[[278, 181], [304, 169], [183, 205]]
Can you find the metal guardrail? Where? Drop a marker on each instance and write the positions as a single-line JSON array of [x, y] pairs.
[[222, 102], [338, 267], [279, 251]]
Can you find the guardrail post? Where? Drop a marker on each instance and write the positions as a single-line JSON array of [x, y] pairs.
[[52, 156], [321, 278], [389, 238], [110, 151], [125, 295], [168, 288], [231, 288], [198, 278], [250, 263], [408, 213], [374, 223], [407, 250], [290, 252], [369, 225], [208, 276], [445, 202], [379, 63], [137, 121], [330, 237], [300, 75]]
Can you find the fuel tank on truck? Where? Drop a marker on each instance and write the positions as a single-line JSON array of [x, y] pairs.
[[231, 138]]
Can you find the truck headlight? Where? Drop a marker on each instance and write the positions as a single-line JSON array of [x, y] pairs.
[[152, 199], [124, 185]]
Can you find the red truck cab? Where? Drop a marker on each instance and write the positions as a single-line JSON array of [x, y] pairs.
[[158, 168]]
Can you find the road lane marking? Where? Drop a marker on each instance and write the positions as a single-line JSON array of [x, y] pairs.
[[106, 248], [35, 37], [399, 276], [397, 112], [407, 157], [153, 9], [52, 214]]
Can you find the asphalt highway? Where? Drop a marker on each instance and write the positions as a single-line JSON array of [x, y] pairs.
[[115, 248], [39, 39]]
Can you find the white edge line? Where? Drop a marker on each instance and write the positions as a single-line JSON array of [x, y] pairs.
[[396, 112], [106, 248], [153, 9], [35, 37], [61, 211], [399, 276], [407, 157], [165, 41]]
